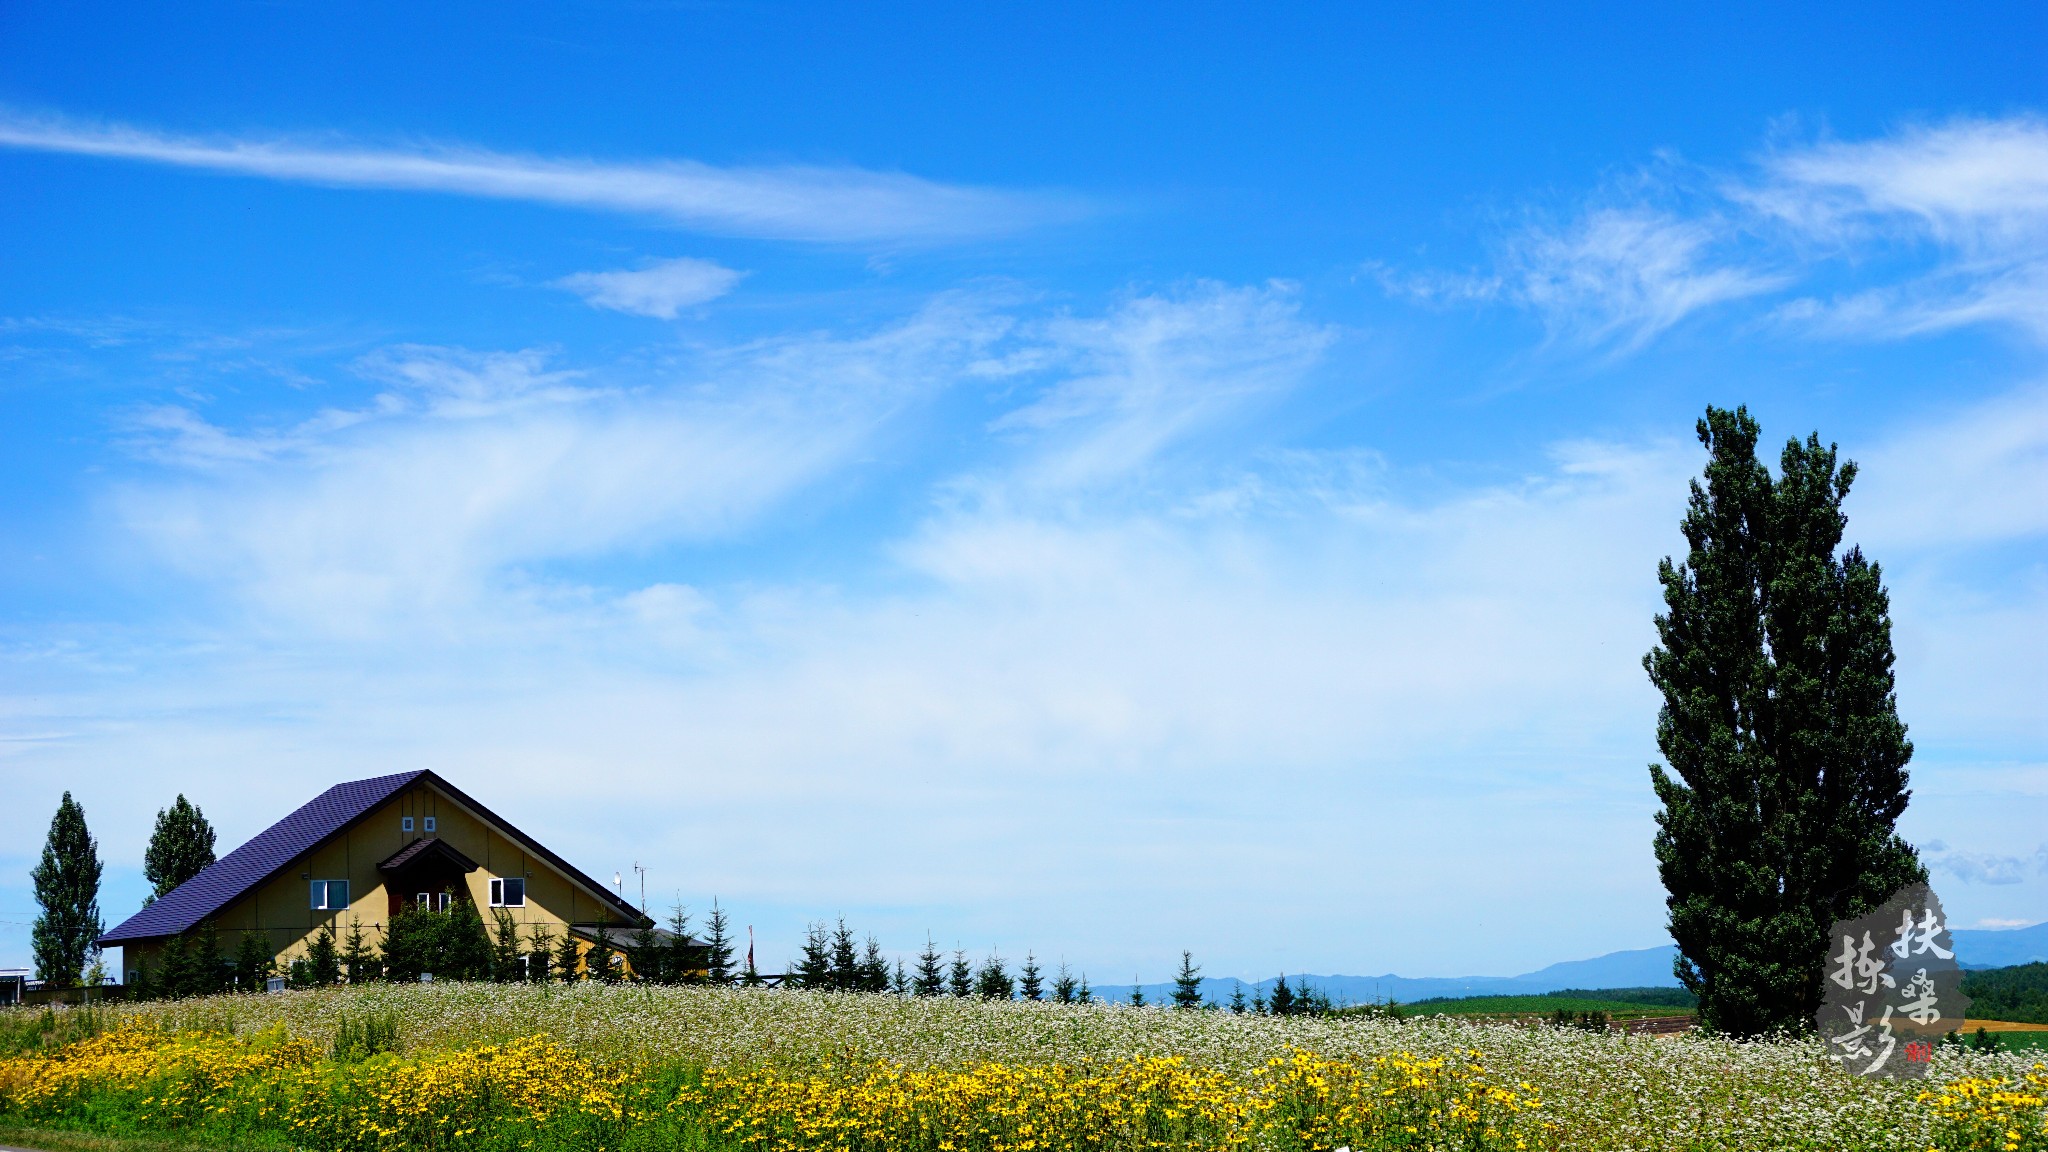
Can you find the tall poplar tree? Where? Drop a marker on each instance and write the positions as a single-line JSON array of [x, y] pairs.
[[180, 847], [1785, 760], [67, 885]]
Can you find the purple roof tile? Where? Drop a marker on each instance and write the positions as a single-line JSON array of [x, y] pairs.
[[226, 879]]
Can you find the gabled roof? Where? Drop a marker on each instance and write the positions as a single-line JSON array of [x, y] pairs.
[[325, 816], [431, 846], [227, 879]]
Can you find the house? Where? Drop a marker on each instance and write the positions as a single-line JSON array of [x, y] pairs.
[[360, 851]]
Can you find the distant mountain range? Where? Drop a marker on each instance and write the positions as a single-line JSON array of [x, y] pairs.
[[1636, 968]]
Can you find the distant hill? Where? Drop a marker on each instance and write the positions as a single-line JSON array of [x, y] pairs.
[[1638, 968], [2001, 947], [1635, 968]]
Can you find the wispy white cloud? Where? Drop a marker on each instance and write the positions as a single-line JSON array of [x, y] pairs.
[[1153, 373], [1976, 191], [473, 464], [1624, 276], [1959, 210], [791, 202], [659, 290]]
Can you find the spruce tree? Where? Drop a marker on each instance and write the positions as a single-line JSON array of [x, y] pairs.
[[1137, 992], [465, 947], [1187, 984], [601, 953], [960, 979], [648, 958], [254, 962], [814, 971], [1063, 985], [67, 886], [323, 958], [845, 961], [174, 969], [685, 962], [1030, 981], [900, 982], [568, 957], [540, 945], [1282, 1001], [180, 847], [211, 971], [1082, 995], [718, 946], [993, 981], [358, 959], [505, 968], [872, 973], [931, 974], [1785, 759], [1237, 1003]]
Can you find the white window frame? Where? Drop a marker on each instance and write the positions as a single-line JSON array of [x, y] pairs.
[[429, 824], [405, 823], [501, 893], [432, 901], [321, 896]]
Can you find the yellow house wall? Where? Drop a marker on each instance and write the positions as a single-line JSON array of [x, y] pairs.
[[282, 909]]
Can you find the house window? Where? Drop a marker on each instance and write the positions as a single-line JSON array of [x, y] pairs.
[[508, 893], [330, 895], [430, 823], [405, 823], [432, 901]]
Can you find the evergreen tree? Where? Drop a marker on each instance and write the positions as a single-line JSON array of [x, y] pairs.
[[1187, 985], [1029, 980], [872, 974], [648, 958], [540, 945], [845, 961], [505, 964], [900, 983], [1063, 985], [1082, 995], [410, 947], [465, 945], [254, 962], [993, 981], [67, 886], [685, 962], [1237, 1004], [1786, 757], [212, 973], [960, 980], [601, 953], [142, 982], [1137, 992], [181, 845], [358, 959], [718, 945], [1281, 1002], [323, 958], [931, 975], [814, 971], [568, 957], [174, 969]]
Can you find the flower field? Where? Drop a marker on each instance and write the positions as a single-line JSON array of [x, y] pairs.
[[625, 1068]]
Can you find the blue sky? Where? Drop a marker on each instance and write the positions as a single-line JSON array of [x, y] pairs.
[[1101, 481]]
